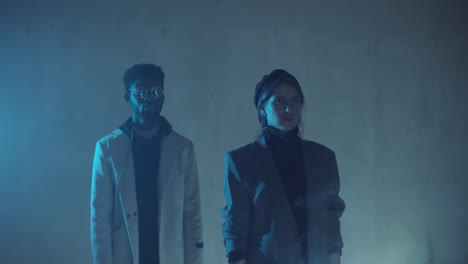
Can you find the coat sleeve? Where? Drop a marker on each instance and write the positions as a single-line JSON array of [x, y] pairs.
[[101, 208], [192, 221], [335, 207], [237, 210]]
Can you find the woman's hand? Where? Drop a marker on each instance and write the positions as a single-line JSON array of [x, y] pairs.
[[335, 258]]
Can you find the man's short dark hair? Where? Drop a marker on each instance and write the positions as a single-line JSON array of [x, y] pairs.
[[143, 71]]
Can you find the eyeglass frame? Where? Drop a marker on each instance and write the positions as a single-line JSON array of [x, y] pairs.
[[143, 93]]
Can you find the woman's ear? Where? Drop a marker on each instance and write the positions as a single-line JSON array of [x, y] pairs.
[[262, 111]]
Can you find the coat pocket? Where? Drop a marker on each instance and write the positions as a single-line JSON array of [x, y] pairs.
[[261, 248]]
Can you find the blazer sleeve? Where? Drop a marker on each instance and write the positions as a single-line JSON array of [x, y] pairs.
[[237, 210], [335, 207], [192, 220], [101, 208]]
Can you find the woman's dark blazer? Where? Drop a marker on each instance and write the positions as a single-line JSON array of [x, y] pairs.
[[258, 218]]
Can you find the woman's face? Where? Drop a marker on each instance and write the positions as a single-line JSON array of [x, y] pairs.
[[283, 108]]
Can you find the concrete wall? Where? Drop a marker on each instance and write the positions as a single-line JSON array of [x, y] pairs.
[[385, 85]]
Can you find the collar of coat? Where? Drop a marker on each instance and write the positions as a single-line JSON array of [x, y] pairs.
[[164, 125]]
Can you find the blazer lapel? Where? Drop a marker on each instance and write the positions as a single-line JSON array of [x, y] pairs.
[[311, 169], [122, 163], [282, 209], [166, 166], [125, 191], [315, 207]]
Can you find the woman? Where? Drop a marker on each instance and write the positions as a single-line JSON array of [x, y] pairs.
[[282, 203]]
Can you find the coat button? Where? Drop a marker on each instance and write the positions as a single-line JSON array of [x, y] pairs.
[[128, 215], [135, 213]]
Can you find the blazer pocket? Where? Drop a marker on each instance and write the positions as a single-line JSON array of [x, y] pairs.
[[261, 247]]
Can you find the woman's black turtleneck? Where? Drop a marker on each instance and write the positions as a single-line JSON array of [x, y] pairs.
[[288, 158]]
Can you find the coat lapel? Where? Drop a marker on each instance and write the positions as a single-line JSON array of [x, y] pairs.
[[282, 208], [122, 162], [316, 242], [166, 166], [311, 169], [125, 195]]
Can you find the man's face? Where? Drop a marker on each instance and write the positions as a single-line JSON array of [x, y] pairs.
[[146, 98]]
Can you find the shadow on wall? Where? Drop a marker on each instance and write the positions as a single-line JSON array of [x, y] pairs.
[[430, 250]]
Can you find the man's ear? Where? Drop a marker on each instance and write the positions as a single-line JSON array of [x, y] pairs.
[[126, 98]]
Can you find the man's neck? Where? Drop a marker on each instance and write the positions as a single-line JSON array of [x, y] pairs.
[[145, 123], [146, 130]]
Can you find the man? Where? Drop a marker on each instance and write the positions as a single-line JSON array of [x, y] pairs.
[[145, 204]]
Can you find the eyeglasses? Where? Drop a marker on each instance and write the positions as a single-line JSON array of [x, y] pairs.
[[146, 94]]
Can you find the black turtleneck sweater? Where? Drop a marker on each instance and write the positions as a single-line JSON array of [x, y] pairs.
[[287, 154], [146, 156]]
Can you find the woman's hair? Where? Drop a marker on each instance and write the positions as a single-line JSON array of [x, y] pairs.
[[264, 89]]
